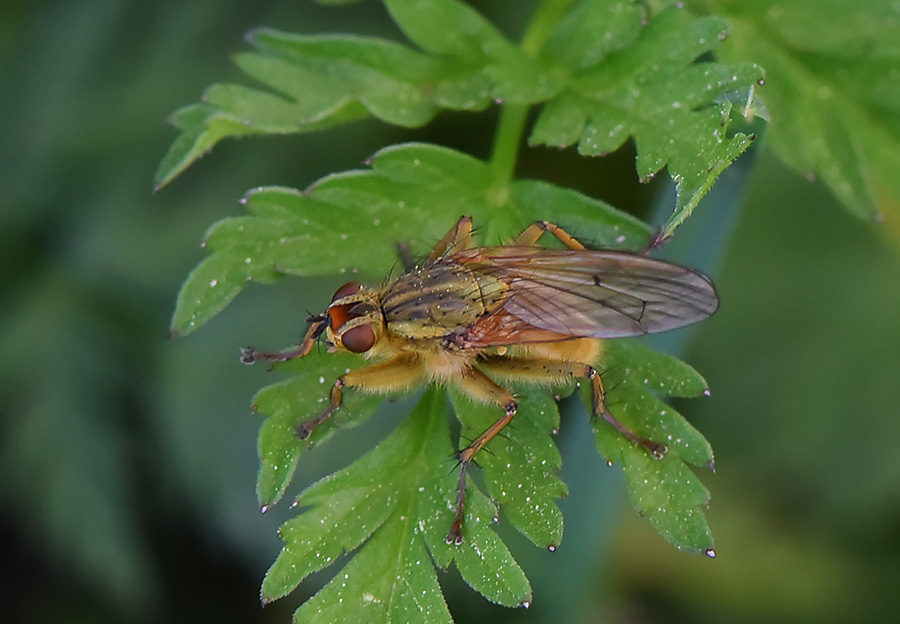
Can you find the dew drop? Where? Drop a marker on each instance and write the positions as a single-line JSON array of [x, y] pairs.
[[710, 553], [213, 283], [264, 509], [706, 392], [526, 604], [552, 547]]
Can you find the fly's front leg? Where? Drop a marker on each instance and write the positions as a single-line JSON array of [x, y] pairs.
[[544, 370], [458, 238], [480, 387], [400, 373], [317, 325], [534, 231]]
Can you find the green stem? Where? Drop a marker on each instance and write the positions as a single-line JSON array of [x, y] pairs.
[[510, 128], [511, 125], [548, 14]]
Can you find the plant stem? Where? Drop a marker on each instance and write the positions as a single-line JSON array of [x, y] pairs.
[[546, 17], [511, 125], [510, 128]]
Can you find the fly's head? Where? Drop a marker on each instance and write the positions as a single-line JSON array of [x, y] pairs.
[[353, 322]]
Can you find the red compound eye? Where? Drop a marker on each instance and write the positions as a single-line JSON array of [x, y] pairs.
[[350, 288], [341, 314], [359, 339]]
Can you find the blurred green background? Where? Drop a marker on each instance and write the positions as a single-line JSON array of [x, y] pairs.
[[128, 462]]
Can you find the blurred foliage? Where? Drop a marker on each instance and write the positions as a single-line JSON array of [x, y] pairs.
[[127, 463], [834, 91]]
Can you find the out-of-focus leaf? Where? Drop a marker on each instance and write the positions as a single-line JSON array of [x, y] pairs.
[[832, 89], [63, 453], [352, 222]]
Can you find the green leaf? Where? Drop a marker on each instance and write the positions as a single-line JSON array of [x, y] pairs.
[[290, 402], [394, 505], [604, 75], [352, 222], [649, 87], [520, 466], [832, 89], [665, 491], [326, 80]]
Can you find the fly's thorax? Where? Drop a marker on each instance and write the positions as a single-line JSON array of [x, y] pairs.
[[443, 298], [355, 322]]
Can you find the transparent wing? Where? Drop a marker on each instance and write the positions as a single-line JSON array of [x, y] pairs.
[[597, 294]]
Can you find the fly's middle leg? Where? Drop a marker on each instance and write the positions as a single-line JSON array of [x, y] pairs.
[[480, 387]]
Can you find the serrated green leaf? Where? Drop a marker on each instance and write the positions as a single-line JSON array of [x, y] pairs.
[[671, 497], [593, 30], [288, 403], [651, 89], [352, 222], [390, 495], [832, 90], [326, 80], [665, 491], [199, 133], [209, 288], [452, 29], [603, 74], [520, 465]]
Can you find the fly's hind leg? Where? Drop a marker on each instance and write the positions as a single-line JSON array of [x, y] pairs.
[[395, 375], [544, 370], [480, 387]]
